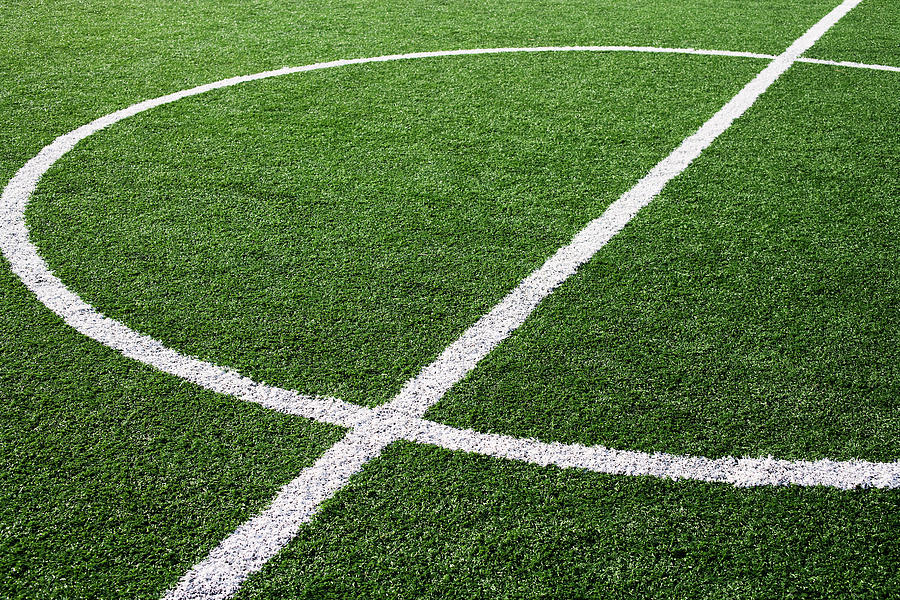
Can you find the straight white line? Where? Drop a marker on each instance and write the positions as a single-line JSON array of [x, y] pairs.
[[245, 553], [247, 549], [847, 63], [430, 385]]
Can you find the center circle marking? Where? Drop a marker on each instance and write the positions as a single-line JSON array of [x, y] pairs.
[[31, 268]]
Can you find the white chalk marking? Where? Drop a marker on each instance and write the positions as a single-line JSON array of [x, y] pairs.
[[846, 63], [741, 472], [430, 385], [256, 541]]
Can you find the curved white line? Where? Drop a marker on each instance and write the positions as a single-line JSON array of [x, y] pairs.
[[31, 268], [847, 63], [741, 472]]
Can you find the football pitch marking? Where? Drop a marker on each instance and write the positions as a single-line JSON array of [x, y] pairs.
[[371, 430], [847, 63]]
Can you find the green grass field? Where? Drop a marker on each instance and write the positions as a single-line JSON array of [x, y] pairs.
[[333, 231]]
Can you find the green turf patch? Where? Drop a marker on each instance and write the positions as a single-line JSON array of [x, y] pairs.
[[752, 309], [65, 63], [426, 523], [869, 34], [333, 231], [116, 479]]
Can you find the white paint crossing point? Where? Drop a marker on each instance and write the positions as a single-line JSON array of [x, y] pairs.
[[245, 551]]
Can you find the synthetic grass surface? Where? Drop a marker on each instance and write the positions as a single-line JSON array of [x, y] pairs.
[[332, 232], [422, 522], [753, 309], [869, 34], [66, 62], [115, 479]]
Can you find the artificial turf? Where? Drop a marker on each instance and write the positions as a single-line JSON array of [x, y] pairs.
[[869, 34], [332, 232], [751, 310], [422, 522], [115, 479]]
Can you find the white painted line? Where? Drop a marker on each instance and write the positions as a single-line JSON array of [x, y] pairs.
[[742, 472], [246, 550], [430, 385], [846, 63]]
